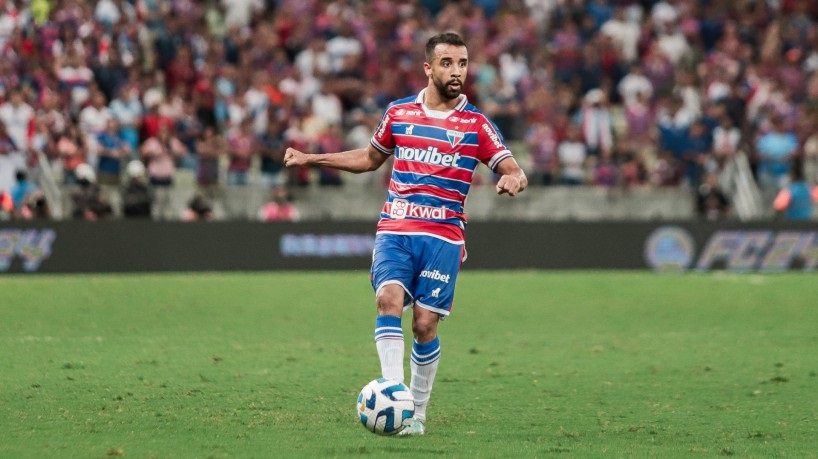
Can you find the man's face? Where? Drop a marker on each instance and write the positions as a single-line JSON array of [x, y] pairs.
[[448, 69]]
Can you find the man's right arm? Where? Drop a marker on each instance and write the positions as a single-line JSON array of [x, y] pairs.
[[356, 161]]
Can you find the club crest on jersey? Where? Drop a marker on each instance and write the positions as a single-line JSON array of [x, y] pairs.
[[454, 137]]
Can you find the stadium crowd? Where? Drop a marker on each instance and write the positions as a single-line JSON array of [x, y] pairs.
[[117, 98]]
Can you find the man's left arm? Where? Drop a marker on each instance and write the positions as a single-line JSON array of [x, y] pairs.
[[512, 178]]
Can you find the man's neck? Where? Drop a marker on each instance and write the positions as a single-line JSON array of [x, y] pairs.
[[434, 101]]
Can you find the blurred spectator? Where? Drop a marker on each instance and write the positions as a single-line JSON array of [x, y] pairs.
[[344, 45], [75, 78], [189, 129], [314, 60], [327, 106], [198, 208], [635, 86], [712, 203], [272, 155], [153, 121], [127, 110], [21, 190], [242, 144], [49, 114], [6, 206], [596, 122], [673, 125], [605, 172], [726, 141], [93, 121], [137, 197], [11, 160], [88, 202], [17, 115], [238, 13], [624, 32], [112, 151], [697, 156], [795, 201], [541, 140], [160, 153], [109, 73], [667, 171], [810, 160], [257, 99], [279, 208], [331, 139], [35, 207], [573, 155], [658, 68], [632, 169], [640, 121], [211, 147], [499, 99], [775, 152], [70, 148]]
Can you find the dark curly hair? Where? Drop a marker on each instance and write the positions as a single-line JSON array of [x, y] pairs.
[[446, 38]]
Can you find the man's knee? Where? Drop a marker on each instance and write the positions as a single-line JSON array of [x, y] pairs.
[[424, 324], [390, 300]]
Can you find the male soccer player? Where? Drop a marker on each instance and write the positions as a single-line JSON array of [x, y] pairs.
[[438, 139]]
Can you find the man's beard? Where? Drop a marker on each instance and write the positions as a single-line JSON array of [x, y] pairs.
[[448, 92]]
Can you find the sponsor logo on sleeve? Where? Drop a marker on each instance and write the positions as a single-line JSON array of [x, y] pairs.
[[382, 126], [493, 136]]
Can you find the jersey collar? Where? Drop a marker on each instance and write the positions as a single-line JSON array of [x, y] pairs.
[[461, 104]]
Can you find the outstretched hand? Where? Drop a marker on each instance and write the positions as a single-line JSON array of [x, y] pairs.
[[509, 184], [294, 158]]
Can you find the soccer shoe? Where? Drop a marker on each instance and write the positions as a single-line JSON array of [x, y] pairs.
[[414, 429]]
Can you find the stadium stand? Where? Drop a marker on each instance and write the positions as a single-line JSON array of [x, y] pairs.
[[661, 94]]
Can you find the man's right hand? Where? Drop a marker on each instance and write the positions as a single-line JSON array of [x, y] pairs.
[[295, 158]]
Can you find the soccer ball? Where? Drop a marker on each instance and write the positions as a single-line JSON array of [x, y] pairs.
[[385, 406]]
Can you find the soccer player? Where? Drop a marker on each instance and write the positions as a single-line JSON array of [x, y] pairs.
[[437, 139]]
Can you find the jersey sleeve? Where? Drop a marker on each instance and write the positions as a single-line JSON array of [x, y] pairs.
[[382, 139], [492, 147]]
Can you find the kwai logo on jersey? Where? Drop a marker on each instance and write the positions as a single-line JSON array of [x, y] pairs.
[[454, 137], [402, 208], [429, 155]]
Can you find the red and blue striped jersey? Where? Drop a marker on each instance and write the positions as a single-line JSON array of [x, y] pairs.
[[436, 154]]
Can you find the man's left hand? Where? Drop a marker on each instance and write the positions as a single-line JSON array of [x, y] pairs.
[[509, 184]]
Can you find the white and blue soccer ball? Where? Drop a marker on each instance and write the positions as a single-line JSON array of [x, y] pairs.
[[385, 406]]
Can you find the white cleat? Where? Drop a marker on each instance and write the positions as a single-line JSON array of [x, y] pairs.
[[414, 429]]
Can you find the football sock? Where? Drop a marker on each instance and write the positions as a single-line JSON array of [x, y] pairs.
[[389, 342], [425, 358]]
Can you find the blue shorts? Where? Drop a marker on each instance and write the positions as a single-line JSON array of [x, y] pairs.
[[425, 266]]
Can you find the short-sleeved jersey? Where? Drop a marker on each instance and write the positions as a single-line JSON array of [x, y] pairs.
[[436, 154]]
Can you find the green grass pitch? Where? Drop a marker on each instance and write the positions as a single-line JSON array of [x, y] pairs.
[[534, 364]]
